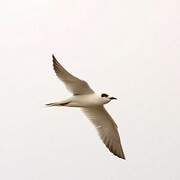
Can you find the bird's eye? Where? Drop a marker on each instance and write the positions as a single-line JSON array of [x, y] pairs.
[[104, 95]]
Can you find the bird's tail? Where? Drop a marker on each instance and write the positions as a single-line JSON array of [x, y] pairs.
[[57, 104], [52, 104]]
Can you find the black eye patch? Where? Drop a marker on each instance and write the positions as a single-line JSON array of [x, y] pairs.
[[104, 95]]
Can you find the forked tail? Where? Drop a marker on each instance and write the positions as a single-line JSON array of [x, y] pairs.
[[57, 104]]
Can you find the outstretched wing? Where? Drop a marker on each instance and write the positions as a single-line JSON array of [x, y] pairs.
[[106, 128], [73, 84]]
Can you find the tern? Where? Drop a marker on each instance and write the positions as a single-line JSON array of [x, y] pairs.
[[92, 104]]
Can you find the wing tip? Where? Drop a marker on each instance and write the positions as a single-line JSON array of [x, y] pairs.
[[55, 62], [122, 156], [54, 58], [119, 155]]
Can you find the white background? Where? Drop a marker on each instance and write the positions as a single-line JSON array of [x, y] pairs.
[[129, 49]]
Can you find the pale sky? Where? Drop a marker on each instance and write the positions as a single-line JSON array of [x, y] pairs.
[[129, 49]]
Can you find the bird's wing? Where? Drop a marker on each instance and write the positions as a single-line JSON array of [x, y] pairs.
[[73, 84], [106, 128]]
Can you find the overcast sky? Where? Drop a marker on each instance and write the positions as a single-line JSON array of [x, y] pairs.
[[129, 49]]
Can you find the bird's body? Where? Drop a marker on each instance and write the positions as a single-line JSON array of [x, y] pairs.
[[92, 104], [86, 100]]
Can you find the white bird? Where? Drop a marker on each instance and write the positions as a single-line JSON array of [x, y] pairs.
[[92, 104]]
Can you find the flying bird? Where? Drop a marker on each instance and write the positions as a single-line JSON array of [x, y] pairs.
[[92, 104]]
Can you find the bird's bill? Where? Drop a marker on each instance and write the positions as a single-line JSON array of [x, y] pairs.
[[113, 98]]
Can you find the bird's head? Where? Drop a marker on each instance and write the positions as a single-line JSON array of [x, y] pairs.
[[107, 98]]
